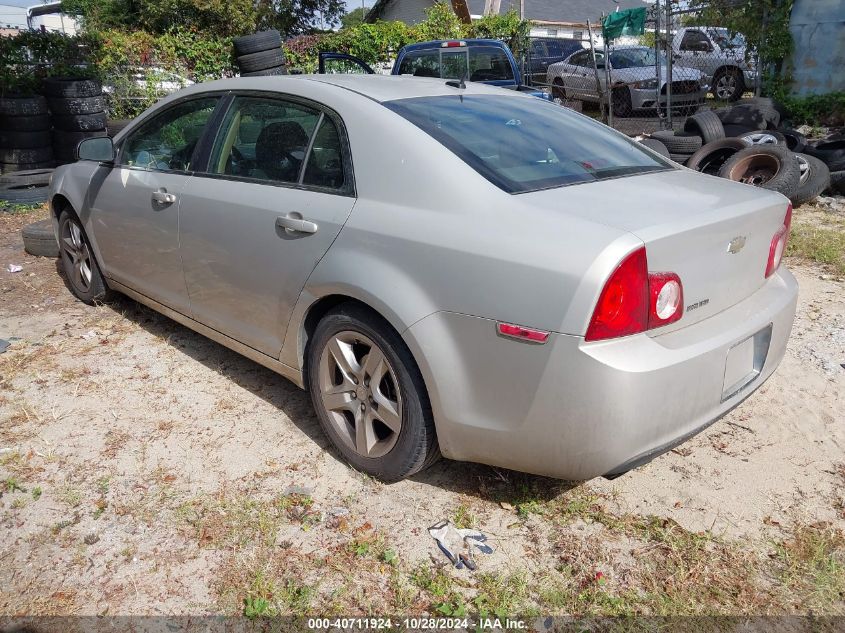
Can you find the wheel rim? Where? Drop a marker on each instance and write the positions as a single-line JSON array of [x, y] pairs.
[[755, 170], [804, 170], [76, 255], [726, 86], [360, 393], [760, 138]]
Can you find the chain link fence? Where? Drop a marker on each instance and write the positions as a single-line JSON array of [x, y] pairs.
[[642, 84]]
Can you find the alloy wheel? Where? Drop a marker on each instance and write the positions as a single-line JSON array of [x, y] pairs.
[[726, 86], [360, 393], [76, 255]]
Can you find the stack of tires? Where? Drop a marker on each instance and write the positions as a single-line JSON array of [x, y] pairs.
[[77, 108], [25, 142], [746, 143], [260, 54]]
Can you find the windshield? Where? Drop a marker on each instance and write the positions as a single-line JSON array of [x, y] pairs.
[[634, 58], [726, 40], [523, 144]]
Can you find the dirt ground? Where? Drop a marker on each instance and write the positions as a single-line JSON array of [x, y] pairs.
[[148, 470]]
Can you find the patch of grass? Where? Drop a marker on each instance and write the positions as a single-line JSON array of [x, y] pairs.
[[36, 493], [11, 485], [464, 518], [502, 596], [822, 242], [69, 496], [16, 208], [811, 565]]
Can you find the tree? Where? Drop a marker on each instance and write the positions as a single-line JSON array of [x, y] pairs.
[[294, 17], [353, 18]]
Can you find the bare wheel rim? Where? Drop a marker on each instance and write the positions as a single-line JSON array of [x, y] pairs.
[[755, 170], [804, 170], [726, 86], [360, 393], [76, 255]]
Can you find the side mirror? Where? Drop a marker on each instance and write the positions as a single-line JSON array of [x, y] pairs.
[[99, 149]]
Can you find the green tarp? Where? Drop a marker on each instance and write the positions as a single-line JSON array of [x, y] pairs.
[[627, 22]]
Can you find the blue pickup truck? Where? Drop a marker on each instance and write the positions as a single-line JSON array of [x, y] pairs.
[[485, 61]]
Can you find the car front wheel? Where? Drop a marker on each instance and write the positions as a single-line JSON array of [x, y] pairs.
[[369, 394], [78, 262]]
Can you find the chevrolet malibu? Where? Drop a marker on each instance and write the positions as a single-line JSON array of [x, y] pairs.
[[447, 269]]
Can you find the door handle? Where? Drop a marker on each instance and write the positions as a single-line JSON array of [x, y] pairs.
[[294, 222], [162, 197]]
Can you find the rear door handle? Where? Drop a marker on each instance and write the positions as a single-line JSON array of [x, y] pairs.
[[162, 197], [294, 222]]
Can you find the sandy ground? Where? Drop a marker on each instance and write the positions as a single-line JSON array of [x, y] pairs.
[[135, 456]]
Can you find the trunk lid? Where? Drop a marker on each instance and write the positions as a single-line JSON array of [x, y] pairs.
[[714, 233]]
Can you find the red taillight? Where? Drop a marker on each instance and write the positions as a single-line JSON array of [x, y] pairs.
[[522, 333], [666, 299], [634, 300], [622, 308], [778, 245]]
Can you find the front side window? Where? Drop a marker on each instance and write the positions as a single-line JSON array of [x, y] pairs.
[[523, 144], [167, 142], [264, 139]]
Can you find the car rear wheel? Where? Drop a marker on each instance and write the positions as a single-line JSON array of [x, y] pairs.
[[369, 394], [78, 262], [622, 101]]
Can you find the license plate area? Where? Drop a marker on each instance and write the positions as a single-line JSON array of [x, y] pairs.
[[745, 361]]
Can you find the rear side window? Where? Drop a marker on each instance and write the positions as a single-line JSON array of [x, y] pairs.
[[523, 144], [421, 64]]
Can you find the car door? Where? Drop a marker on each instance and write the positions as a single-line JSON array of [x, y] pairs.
[[135, 204], [277, 188], [334, 63], [695, 51]]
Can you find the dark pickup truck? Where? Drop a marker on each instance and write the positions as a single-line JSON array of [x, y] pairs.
[[482, 60]]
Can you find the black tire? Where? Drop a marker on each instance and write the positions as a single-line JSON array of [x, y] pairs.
[[680, 158], [813, 181], [621, 96], [707, 125], [63, 140], [767, 166], [96, 289], [832, 153], [115, 126], [655, 145], [679, 142], [23, 106], [415, 445], [27, 177], [24, 193], [754, 116], [257, 42], [77, 105], [39, 240], [795, 141], [261, 60], [72, 87], [268, 72], [6, 168], [729, 75], [710, 158], [28, 123], [734, 131], [558, 89], [24, 140], [837, 183], [32, 155], [80, 122]]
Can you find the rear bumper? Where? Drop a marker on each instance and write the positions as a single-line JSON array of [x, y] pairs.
[[577, 410]]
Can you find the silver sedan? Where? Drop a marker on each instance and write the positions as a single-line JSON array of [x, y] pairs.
[[448, 269]]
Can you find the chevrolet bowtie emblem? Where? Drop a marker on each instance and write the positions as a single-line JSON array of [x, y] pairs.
[[736, 244]]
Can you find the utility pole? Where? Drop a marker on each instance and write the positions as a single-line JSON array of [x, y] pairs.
[[521, 9]]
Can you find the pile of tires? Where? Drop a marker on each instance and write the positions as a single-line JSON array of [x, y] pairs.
[[746, 143], [28, 186], [25, 141], [77, 111], [260, 54]]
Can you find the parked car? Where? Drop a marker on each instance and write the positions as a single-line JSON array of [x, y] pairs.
[[456, 270], [720, 55], [480, 60], [545, 51], [633, 77]]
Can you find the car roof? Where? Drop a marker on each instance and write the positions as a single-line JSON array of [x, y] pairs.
[[379, 88], [469, 41]]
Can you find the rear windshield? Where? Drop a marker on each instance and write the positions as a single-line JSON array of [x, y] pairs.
[[523, 143], [475, 63]]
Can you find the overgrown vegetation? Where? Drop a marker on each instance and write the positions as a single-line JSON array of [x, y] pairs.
[[819, 237]]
